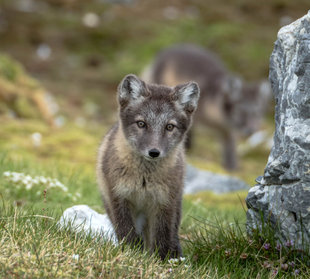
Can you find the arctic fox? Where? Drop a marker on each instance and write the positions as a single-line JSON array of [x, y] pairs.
[[227, 104], [140, 166]]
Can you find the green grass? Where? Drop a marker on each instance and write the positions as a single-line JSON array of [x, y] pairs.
[[212, 231], [212, 225], [228, 251], [212, 234], [33, 246]]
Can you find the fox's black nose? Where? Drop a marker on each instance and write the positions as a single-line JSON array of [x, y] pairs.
[[154, 153]]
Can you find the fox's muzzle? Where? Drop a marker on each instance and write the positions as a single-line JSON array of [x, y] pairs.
[[154, 153]]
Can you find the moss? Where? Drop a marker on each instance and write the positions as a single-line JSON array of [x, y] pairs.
[[70, 144], [14, 72], [24, 108], [9, 69], [21, 93]]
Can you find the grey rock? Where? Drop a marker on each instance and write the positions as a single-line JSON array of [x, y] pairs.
[[199, 180], [282, 195]]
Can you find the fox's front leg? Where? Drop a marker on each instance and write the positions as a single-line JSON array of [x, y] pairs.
[[166, 235], [229, 151], [177, 222], [123, 223]]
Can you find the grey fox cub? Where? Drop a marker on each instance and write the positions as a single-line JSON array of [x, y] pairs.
[[141, 163], [227, 104]]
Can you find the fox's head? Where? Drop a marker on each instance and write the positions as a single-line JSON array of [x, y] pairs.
[[155, 118]]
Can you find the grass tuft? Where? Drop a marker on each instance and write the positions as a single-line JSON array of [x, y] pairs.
[[228, 250]]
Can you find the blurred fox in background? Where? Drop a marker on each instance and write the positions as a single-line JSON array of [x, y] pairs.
[[227, 104]]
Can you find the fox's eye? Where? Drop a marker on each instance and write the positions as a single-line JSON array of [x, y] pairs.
[[141, 124], [169, 127]]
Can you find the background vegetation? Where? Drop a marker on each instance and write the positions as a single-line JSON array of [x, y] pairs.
[[78, 51]]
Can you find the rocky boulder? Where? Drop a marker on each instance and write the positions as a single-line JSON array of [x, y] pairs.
[[197, 180], [282, 195]]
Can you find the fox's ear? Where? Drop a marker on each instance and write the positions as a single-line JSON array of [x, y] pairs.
[[131, 88], [187, 95]]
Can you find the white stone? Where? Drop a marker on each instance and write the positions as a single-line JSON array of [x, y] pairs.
[[44, 51], [81, 218], [91, 20]]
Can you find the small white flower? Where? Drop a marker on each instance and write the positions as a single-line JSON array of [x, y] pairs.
[[15, 179], [76, 257], [172, 261], [27, 182], [182, 259], [27, 178], [78, 194], [42, 179], [36, 139], [35, 181], [58, 184]]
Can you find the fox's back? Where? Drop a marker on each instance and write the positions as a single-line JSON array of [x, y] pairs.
[[182, 63]]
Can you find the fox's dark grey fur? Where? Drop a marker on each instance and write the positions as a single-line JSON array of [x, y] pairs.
[[226, 104], [141, 163]]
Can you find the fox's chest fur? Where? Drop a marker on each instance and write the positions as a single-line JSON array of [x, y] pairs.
[[145, 184], [142, 183]]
